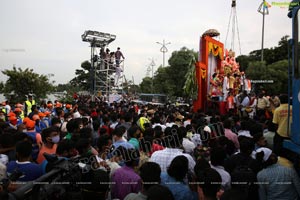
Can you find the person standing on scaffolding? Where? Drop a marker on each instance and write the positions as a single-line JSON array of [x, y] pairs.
[[118, 56]]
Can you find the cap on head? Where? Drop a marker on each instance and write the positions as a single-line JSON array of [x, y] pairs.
[[267, 152]]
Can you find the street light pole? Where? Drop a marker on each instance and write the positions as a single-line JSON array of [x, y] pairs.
[[163, 49], [263, 9], [152, 64]]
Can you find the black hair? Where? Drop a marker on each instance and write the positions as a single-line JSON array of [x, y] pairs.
[[227, 123], [103, 141], [284, 98], [158, 192], [172, 138], [96, 124], [217, 156], [178, 168], [47, 132], [64, 146], [210, 182], [7, 140], [132, 130], [150, 174], [55, 120], [82, 145], [119, 131], [257, 137], [86, 133], [246, 145], [256, 128], [24, 149], [73, 125], [201, 165]]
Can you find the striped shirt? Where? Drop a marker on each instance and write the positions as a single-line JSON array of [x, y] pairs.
[[165, 157], [278, 182]]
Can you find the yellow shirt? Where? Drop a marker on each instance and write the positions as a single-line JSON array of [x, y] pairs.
[[280, 118]]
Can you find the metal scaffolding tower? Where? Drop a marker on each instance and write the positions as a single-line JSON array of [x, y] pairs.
[[105, 75]]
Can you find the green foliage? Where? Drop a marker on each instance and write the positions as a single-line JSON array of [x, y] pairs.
[[145, 85], [276, 72], [21, 83], [69, 90], [82, 78], [191, 85], [170, 80], [271, 55]]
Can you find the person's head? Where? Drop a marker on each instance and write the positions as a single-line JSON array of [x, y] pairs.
[[284, 98], [86, 132], [104, 142], [118, 133], [23, 150], [98, 185], [134, 132], [30, 124], [267, 156], [217, 156], [227, 124], [50, 135], [172, 138], [260, 140], [66, 148], [83, 146], [150, 174], [210, 182], [13, 120], [201, 165], [178, 168], [159, 192], [74, 125], [246, 145], [56, 122]]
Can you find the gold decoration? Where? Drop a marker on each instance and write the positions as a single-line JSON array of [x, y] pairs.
[[215, 49], [203, 73]]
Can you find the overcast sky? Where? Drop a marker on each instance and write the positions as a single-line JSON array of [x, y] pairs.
[[46, 35]]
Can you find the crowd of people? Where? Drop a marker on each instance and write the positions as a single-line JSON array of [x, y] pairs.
[[150, 152]]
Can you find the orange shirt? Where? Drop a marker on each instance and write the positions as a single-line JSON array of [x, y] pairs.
[[230, 102], [45, 149]]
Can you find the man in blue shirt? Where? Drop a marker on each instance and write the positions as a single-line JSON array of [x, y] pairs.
[[30, 171], [276, 181]]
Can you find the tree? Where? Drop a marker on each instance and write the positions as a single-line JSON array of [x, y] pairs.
[[69, 91], [170, 80], [271, 55], [82, 78], [179, 66], [274, 76], [162, 84], [145, 85], [21, 83]]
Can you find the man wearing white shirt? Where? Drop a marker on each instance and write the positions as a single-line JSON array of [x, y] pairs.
[[172, 142]]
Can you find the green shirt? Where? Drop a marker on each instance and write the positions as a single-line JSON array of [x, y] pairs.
[[135, 142]]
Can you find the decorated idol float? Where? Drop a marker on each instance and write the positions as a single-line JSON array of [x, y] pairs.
[[218, 74]]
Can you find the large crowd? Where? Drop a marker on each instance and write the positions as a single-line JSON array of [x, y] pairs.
[[154, 152]]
